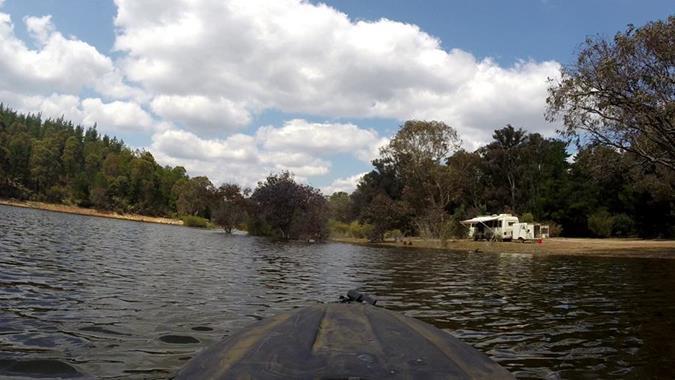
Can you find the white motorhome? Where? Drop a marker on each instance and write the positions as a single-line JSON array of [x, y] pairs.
[[529, 231], [504, 227], [492, 227]]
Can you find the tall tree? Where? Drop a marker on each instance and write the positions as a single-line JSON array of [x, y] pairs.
[[194, 196], [230, 207], [340, 205], [621, 93], [288, 210], [419, 150], [503, 158]]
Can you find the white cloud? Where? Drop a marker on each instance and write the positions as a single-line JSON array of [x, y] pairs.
[[116, 116], [40, 28], [325, 138], [185, 145], [111, 118], [298, 146], [239, 158], [197, 112], [299, 57], [208, 66], [347, 184], [58, 65]]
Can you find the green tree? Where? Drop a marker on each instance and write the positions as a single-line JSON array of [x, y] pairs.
[[72, 157], [230, 207], [383, 214], [194, 196], [419, 150], [601, 223], [19, 150], [288, 210], [44, 165], [340, 205], [621, 93], [503, 159]]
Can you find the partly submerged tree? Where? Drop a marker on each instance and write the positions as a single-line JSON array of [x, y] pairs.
[[229, 210], [284, 208], [621, 93]]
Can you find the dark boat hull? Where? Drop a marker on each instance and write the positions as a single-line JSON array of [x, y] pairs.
[[341, 341]]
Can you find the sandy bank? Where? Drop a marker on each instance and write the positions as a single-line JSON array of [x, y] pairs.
[[550, 247], [89, 212]]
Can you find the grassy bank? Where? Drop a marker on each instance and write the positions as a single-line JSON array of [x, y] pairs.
[[550, 247], [89, 212]]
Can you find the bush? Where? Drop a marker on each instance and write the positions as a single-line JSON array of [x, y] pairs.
[[354, 229], [623, 225], [257, 227], [359, 231], [527, 218], [601, 223], [554, 229], [195, 221], [393, 234], [338, 229]]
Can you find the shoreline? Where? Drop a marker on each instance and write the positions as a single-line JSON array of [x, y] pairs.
[[66, 209], [586, 247]]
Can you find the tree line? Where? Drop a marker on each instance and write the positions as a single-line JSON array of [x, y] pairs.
[[423, 185], [56, 161], [616, 108]]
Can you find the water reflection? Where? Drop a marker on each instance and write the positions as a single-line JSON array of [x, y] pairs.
[[109, 298]]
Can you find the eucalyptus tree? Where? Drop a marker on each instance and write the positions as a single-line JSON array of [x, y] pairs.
[[419, 150], [620, 93]]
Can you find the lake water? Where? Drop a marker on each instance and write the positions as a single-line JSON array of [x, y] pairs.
[[84, 296]]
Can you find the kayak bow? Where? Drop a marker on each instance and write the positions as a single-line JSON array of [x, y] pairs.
[[348, 340]]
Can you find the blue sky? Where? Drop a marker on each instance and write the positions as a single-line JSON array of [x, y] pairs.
[[235, 90]]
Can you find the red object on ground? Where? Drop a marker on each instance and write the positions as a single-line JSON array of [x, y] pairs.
[[540, 241]]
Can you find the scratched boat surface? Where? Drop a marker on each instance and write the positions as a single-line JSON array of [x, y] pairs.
[[342, 341]]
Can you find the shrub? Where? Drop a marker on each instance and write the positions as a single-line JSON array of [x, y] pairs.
[[195, 221], [527, 218], [338, 229], [257, 227], [554, 229], [623, 225], [358, 230], [393, 234], [601, 223]]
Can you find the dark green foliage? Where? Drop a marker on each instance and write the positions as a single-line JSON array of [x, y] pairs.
[[620, 93], [420, 185], [623, 225], [603, 192], [55, 161], [383, 214], [288, 210], [230, 210], [340, 206], [601, 223], [527, 217]]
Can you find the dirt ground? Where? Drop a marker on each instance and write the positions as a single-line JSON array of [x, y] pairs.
[[550, 247], [90, 212]]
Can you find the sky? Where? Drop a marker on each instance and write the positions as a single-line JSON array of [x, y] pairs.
[[236, 90]]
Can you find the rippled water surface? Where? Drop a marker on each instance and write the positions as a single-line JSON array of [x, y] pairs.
[[83, 296]]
